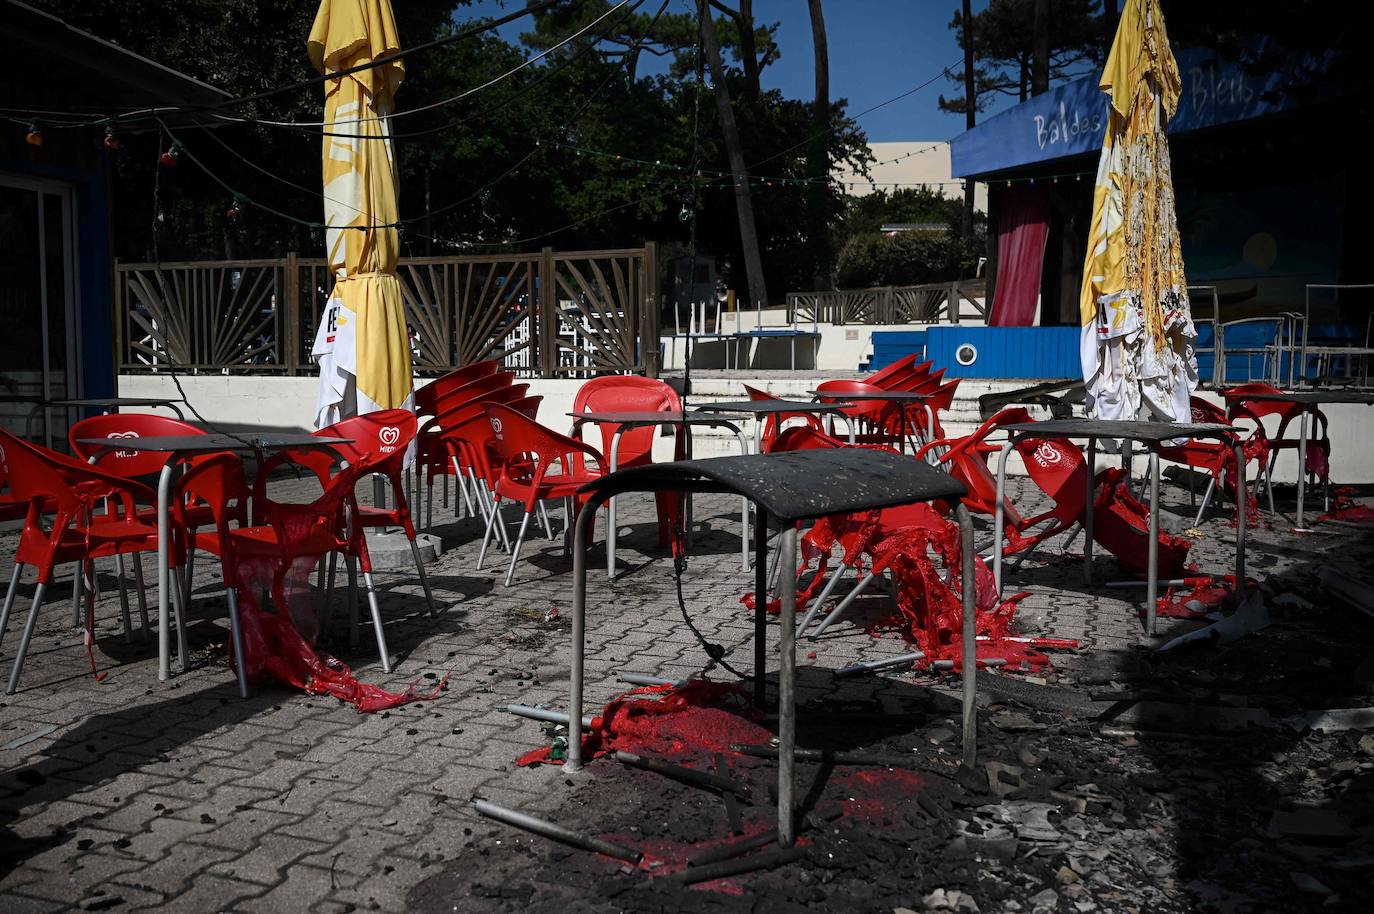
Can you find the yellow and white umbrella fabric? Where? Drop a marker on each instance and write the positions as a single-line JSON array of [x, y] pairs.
[[362, 345], [1138, 336]]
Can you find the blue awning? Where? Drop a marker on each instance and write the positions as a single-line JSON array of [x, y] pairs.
[[1070, 118]]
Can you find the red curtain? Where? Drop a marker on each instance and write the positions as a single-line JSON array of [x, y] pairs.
[[1022, 225]]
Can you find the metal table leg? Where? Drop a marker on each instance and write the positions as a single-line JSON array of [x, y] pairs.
[[999, 516], [610, 506], [970, 641], [1302, 463], [760, 606], [1240, 518], [577, 672], [1088, 513], [787, 711], [164, 639], [1152, 573]]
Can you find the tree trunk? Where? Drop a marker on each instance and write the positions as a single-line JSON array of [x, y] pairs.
[[819, 157], [970, 114], [1040, 48], [748, 52], [744, 203]]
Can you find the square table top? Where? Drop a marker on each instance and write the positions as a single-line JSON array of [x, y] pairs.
[[648, 417], [886, 396], [766, 407], [186, 444], [797, 485], [1312, 397], [1154, 432]]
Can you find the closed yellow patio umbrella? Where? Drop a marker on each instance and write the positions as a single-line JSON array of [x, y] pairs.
[[362, 345], [1137, 338]]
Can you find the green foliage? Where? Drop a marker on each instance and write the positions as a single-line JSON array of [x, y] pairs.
[[904, 259], [1079, 38], [495, 170]]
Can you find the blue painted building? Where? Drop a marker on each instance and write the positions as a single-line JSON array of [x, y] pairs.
[[56, 298], [1269, 198]]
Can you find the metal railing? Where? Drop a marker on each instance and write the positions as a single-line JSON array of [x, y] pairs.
[[550, 313], [933, 303]]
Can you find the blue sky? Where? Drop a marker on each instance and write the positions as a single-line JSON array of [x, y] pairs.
[[878, 49]]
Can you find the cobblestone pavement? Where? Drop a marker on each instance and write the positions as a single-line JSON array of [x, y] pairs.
[[129, 793]]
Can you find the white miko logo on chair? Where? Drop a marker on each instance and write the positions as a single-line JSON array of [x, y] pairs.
[[1047, 454], [389, 436], [129, 434]]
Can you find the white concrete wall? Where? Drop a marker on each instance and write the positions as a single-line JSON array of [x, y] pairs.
[[278, 402]]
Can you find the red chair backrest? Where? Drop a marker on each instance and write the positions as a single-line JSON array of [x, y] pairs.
[[520, 441], [902, 380], [473, 391], [871, 411], [772, 423], [379, 438], [427, 397], [37, 474], [627, 393], [803, 438], [127, 425]]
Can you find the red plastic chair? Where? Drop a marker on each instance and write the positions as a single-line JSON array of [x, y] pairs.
[[431, 459], [772, 424], [380, 441], [1238, 407], [905, 365], [630, 393], [529, 452], [76, 533], [1213, 457], [293, 532]]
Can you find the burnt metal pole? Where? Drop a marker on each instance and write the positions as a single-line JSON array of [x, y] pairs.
[[760, 606], [970, 639], [787, 673]]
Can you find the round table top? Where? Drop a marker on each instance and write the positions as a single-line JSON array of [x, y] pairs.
[[646, 417], [766, 407]]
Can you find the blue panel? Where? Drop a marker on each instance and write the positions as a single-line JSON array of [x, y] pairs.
[[1070, 119], [1041, 353]]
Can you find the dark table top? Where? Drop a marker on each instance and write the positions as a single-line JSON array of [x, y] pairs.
[[766, 407], [1313, 397], [777, 331], [644, 417], [118, 401], [186, 444], [799, 484], [1116, 428], [887, 396]]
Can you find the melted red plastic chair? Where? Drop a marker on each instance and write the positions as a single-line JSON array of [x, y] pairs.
[[76, 532], [1215, 458], [294, 539], [630, 393], [529, 452], [773, 423], [1238, 407]]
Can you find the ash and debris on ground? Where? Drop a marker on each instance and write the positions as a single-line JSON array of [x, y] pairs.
[[1122, 779]]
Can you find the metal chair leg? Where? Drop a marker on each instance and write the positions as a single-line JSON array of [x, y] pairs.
[[843, 606], [515, 552], [820, 600], [351, 564], [78, 591], [145, 625], [376, 622], [1206, 500], [424, 579], [25, 637], [124, 601], [486, 540], [236, 640], [544, 516], [179, 607], [9, 600]]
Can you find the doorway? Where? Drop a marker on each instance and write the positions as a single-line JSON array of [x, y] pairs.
[[40, 334]]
